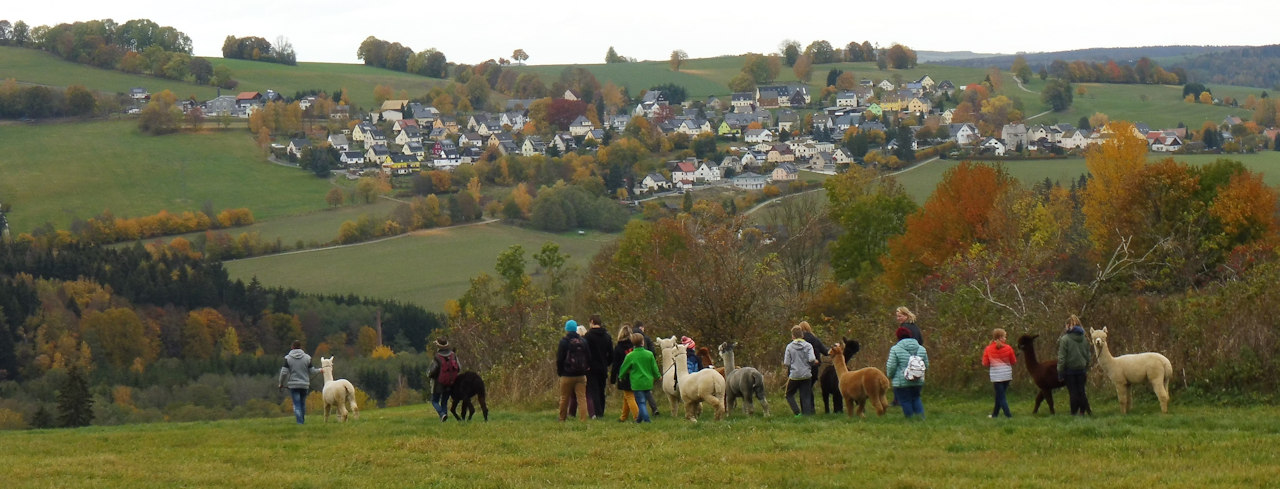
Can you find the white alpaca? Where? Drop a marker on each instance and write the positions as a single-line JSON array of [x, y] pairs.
[[1134, 368], [706, 385], [339, 395], [669, 373]]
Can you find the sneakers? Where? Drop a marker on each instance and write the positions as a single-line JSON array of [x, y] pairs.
[[444, 417], [990, 416]]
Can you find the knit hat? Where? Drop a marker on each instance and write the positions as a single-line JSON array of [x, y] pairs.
[[571, 326], [903, 333], [687, 342], [442, 343]]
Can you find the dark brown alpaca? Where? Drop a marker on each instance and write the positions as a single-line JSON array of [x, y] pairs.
[[830, 382], [1044, 373], [467, 385]]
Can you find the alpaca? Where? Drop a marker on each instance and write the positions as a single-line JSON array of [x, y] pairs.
[[1044, 373], [704, 356], [696, 388], [669, 373], [741, 382], [339, 395], [468, 385], [859, 385], [1134, 368], [830, 382]]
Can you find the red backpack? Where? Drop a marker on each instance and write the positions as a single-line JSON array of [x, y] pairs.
[[448, 369]]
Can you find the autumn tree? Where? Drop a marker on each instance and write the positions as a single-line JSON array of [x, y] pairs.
[[1057, 93], [612, 57], [901, 57], [761, 68], [803, 68], [119, 336], [161, 115], [790, 50], [820, 52], [870, 210], [1021, 69], [677, 59], [846, 81], [1111, 206], [335, 197], [520, 56]]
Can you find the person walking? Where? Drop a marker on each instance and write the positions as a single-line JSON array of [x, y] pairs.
[[819, 350], [638, 327], [906, 390], [907, 319], [630, 411], [799, 359], [601, 346], [296, 374], [444, 370], [640, 369], [1074, 355], [1000, 358], [572, 362]]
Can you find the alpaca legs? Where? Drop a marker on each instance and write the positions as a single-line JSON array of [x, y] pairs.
[[1122, 392], [1048, 396], [1161, 388]]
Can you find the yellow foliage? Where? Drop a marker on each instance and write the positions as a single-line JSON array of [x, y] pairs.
[[11, 420], [1110, 204], [382, 352], [366, 340], [122, 395]]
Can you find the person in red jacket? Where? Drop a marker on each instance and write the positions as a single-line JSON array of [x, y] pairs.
[[999, 357]]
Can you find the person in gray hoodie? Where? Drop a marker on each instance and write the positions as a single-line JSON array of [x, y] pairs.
[[296, 373], [799, 359], [1074, 355]]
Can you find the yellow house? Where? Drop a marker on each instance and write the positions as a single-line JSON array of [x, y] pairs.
[[919, 104]]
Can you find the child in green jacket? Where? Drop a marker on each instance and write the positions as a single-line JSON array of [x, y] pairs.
[[641, 368]]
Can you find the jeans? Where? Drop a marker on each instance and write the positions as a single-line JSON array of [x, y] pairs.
[[595, 393], [299, 404], [805, 388], [440, 401], [1075, 388], [643, 417], [909, 398], [1001, 401], [648, 398]]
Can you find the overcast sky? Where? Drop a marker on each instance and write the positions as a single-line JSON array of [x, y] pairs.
[[581, 32]]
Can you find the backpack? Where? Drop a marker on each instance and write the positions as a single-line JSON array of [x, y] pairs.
[[575, 359], [915, 367], [448, 369]]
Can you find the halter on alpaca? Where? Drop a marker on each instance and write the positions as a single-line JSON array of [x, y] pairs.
[[741, 382], [669, 372], [339, 395], [858, 386], [1134, 368], [696, 388], [1044, 373], [829, 381]]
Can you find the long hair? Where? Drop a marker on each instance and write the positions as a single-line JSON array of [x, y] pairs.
[[624, 333], [911, 316]]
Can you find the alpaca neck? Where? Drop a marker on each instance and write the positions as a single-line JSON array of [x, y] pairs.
[[838, 361], [667, 359], [328, 374], [1029, 352], [729, 364], [680, 357], [1104, 356]]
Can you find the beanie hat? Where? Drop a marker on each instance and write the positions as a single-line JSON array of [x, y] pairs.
[[687, 342], [571, 325], [903, 333]]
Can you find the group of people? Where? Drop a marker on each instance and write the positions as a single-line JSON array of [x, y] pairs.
[[588, 359]]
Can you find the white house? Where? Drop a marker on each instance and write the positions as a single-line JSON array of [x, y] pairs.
[[652, 182], [707, 173], [964, 133], [750, 181], [994, 145], [339, 142], [785, 172], [758, 136], [296, 146], [684, 171], [581, 126], [847, 99]]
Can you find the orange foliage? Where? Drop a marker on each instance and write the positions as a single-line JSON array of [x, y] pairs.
[[1111, 200], [1246, 208]]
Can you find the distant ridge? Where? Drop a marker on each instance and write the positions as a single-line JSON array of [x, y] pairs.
[[1093, 55], [940, 56]]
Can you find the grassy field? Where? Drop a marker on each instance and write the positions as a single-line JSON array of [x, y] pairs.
[[957, 446], [33, 66], [919, 182], [425, 268], [57, 172]]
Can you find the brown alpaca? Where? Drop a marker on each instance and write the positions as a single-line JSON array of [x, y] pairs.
[[1045, 373], [860, 385]]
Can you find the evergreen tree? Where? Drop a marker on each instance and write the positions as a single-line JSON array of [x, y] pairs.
[[688, 202], [42, 419], [75, 403]]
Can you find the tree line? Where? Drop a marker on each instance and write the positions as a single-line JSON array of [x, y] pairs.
[[258, 49], [38, 101]]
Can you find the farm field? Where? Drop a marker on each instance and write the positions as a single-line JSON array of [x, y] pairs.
[[957, 446], [425, 268], [33, 66], [59, 172], [311, 228]]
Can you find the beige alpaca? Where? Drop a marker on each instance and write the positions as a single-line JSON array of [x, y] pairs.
[[705, 385], [859, 385], [1134, 368], [669, 373], [339, 395]]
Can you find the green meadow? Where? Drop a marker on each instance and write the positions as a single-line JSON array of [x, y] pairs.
[[54, 173], [425, 267], [956, 446], [33, 66]]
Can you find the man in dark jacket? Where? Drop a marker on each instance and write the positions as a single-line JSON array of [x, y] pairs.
[[601, 346], [1074, 354], [573, 358], [439, 389], [296, 373]]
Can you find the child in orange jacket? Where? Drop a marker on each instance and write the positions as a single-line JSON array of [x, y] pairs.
[[999, 357]]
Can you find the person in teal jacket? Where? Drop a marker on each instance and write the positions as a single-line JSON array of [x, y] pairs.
[[906, 391], [641, 368]]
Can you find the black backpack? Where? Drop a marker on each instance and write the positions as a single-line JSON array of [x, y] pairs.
[[448, 369], [575, 359]]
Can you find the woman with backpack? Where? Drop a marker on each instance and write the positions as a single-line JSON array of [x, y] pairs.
[[905, 367], [572, 361], [444, 370]]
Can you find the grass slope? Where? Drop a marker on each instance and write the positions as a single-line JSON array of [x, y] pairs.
[[57, 172], [33, 66], [425, 268], [957, 446]]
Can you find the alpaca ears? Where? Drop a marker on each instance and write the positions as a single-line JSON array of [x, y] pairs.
[[1104, 329]]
